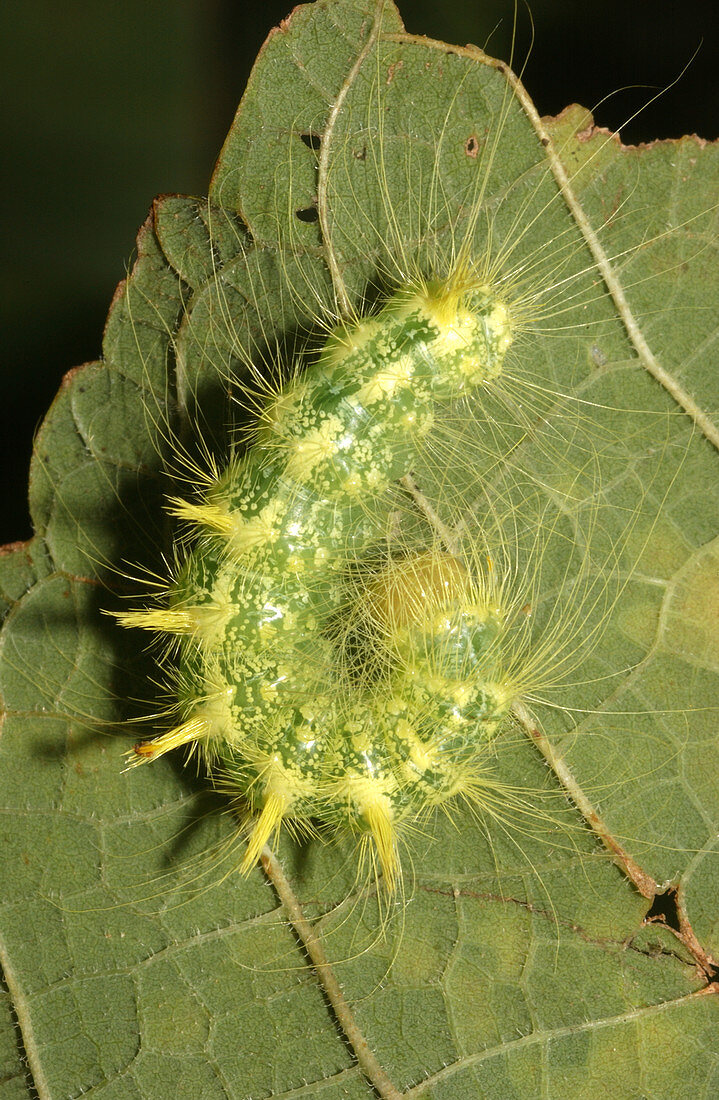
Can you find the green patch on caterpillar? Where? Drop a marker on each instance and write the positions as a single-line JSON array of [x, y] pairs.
[[571, 498]]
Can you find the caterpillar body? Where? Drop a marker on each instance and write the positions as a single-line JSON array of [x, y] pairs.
[[280, 530]]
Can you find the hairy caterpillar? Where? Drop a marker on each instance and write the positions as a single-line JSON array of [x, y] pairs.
[[278, 530]]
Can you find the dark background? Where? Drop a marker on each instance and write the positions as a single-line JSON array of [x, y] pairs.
[[109, 102]]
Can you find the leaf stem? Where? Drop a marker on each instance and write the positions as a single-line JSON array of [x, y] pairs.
[[644, 883], [313, 946], [323, 163], [434, 520], [604, 265]]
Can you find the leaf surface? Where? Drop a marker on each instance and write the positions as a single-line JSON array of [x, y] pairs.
[[138, 964]]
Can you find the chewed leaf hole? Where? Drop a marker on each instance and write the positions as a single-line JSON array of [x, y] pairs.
[[663, 910], [312, 140], [307, 214]]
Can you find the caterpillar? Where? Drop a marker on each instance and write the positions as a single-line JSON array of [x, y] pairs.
[[278, 530], [274, 685]]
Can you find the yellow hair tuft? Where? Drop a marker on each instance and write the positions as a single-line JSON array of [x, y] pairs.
[[266, 824], [193, 730], [210, 516], [384, 835], [158, 619]]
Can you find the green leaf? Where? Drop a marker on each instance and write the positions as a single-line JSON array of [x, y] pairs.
[[521, 963]]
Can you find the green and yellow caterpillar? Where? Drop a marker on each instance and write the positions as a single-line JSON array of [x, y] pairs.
[[304, 724]]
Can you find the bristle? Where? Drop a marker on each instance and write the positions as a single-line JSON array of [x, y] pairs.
[[159, 619], [205, 623]]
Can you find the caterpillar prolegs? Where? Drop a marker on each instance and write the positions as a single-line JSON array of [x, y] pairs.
[[319, 685]]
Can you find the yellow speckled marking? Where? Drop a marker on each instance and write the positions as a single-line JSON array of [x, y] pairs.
[[259, 530], [318, 445], [385, 383]]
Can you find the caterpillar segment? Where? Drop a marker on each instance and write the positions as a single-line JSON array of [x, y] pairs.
[[312, 694]]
